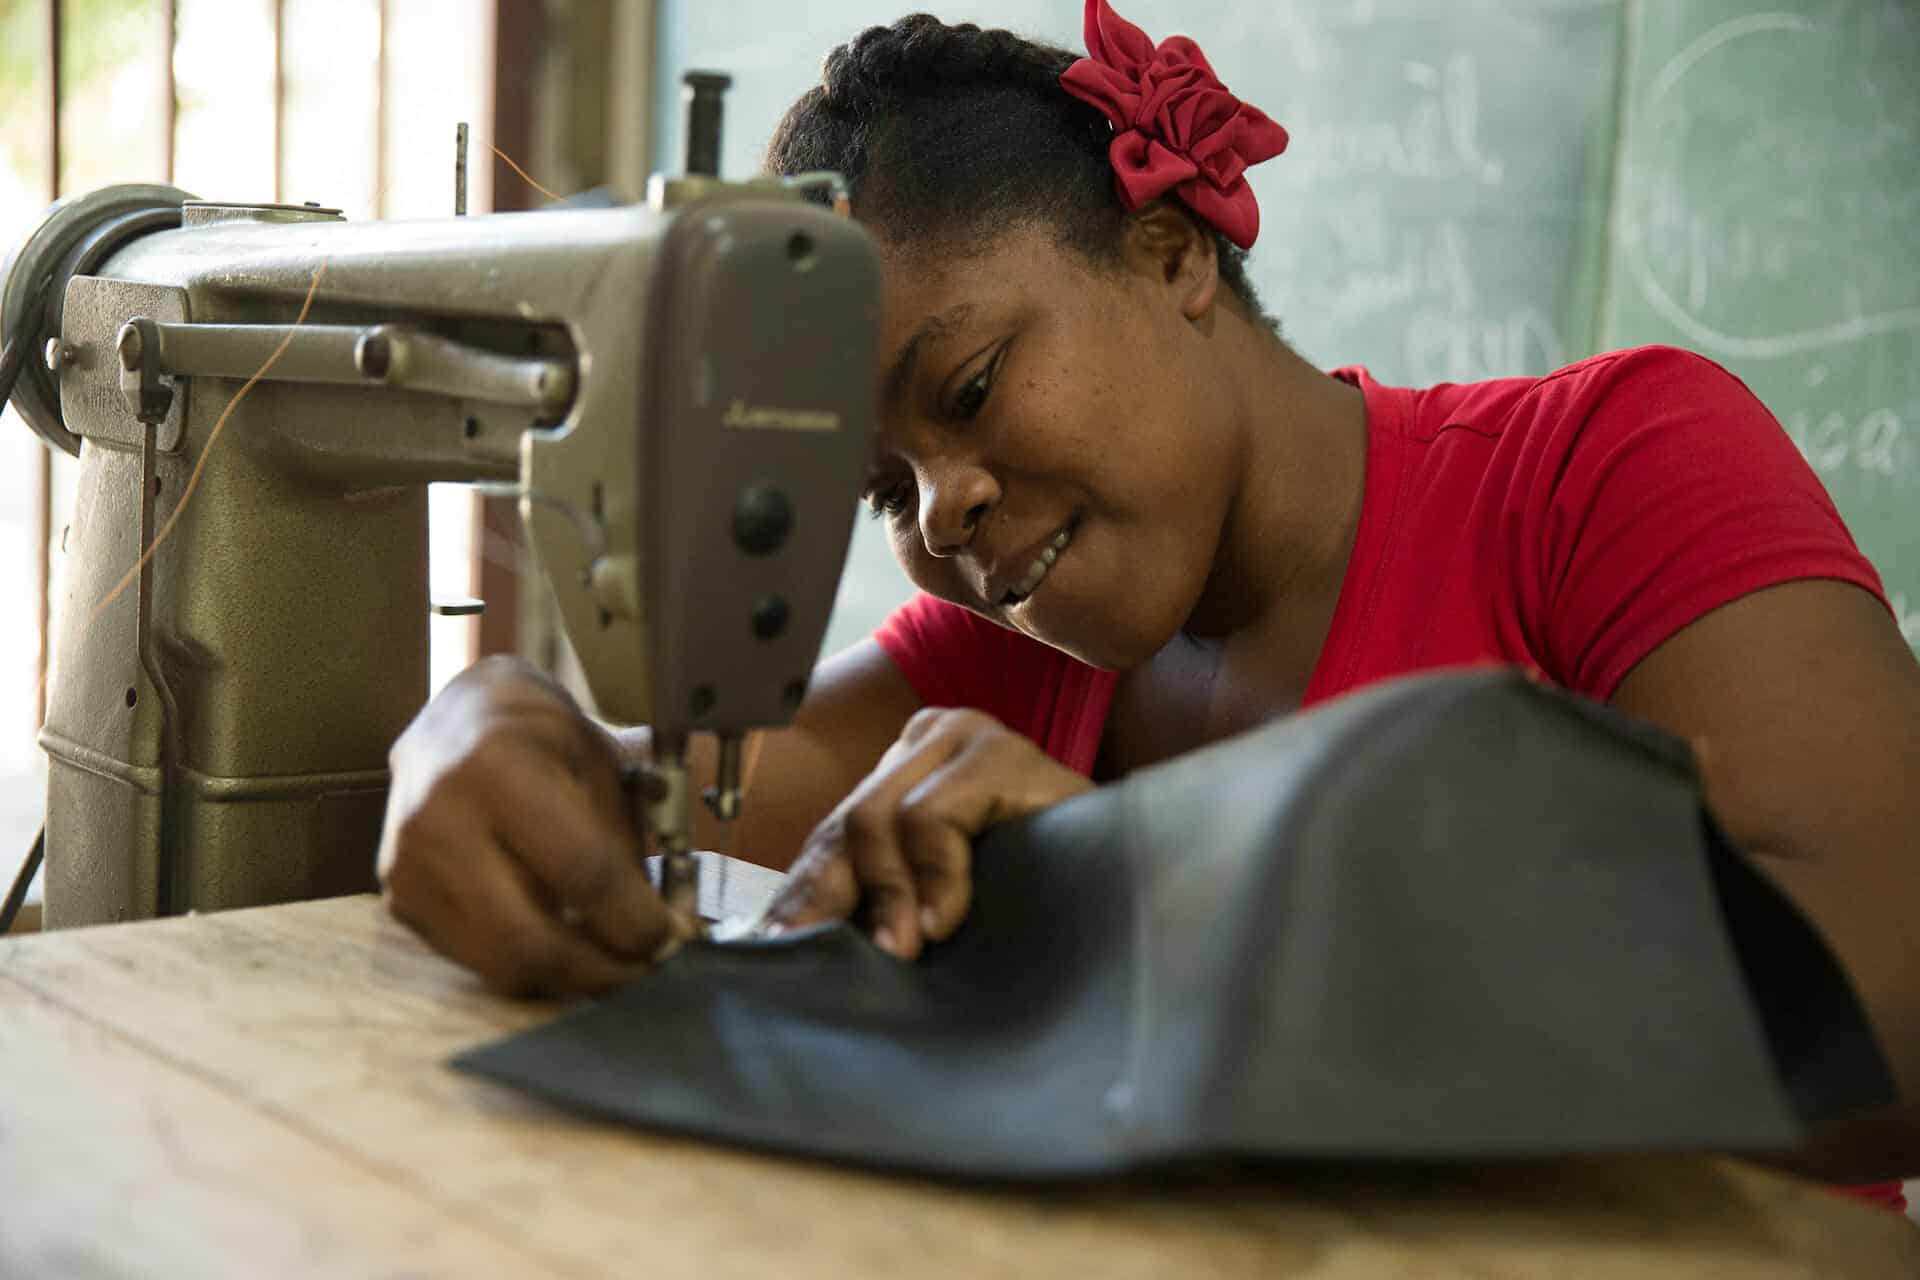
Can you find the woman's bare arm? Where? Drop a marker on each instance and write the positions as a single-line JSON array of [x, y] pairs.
[[1803, 702], [856, 705], [509, 843]]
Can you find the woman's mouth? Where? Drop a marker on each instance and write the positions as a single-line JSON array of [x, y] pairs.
[[1041, 566]]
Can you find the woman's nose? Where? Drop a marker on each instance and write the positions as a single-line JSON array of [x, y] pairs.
[[953, 502]]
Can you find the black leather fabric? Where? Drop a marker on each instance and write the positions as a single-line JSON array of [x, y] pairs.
[[1453, 916]]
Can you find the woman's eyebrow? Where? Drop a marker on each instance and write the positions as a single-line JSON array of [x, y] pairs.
[[931, 329]]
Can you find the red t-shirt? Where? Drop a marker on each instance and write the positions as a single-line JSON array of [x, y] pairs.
[[1568, 524]]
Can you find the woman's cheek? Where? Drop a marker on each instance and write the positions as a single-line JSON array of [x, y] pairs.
[[929, 573]]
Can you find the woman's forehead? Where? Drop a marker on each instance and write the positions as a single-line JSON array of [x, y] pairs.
[[953, 285]]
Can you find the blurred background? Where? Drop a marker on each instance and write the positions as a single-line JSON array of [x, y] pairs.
[[348, 103], [1483, 188]]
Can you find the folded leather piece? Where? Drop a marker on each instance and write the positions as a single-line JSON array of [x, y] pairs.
[[1452, 916]]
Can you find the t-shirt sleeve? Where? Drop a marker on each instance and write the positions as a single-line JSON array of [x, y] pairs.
[[954, 658], [943, 651], [1674, 492]]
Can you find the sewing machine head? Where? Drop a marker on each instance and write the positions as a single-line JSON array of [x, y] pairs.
[[679, 392]]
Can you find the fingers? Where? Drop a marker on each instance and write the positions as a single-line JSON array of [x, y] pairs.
[[578, 847], [989, 780], [478, 913], [889, 896], [819, 886], [901, 842], [854, 857], [937, 823], [506, 842], [852, 860]]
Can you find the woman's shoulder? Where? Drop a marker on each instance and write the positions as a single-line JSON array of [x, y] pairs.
[[1651, 370], [1644, 377], [1607, 396]]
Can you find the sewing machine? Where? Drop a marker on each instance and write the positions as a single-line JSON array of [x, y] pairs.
[[677, 392]]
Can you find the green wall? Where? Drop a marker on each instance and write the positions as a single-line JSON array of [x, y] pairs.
[[1489, 187]]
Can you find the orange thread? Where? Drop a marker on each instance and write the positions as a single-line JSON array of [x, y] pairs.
[[525, 176], [756, 738], [220, 425], [193, 481], [380, 191], [206, 451]]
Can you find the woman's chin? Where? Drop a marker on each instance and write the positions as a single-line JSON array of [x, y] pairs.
[[1112, 644]]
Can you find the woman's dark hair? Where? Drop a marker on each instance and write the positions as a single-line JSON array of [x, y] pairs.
[[953, 133]]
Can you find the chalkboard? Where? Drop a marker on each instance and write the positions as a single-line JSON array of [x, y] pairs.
[[1462, 199], [1768, 215]]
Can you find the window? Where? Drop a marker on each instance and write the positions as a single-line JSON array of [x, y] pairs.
[[349, 103]]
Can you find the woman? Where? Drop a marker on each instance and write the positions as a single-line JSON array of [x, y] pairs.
[[1142, 523]]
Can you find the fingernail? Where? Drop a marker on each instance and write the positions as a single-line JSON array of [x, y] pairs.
[[883, 938], [929, 921], [666, 950]]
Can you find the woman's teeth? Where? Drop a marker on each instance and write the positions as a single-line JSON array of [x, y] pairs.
[[1038, 570]]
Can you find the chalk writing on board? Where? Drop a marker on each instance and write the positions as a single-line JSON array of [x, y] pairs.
[[1458, 345], [1678, 66], [1682, 250], [1421, 278], [1437, 137], [1427, 264], [1874, 443], [1857, 323]]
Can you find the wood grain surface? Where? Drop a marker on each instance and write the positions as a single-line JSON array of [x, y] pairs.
[[263, 1093]]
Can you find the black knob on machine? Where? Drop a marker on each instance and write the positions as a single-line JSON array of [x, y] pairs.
[[762, 518]]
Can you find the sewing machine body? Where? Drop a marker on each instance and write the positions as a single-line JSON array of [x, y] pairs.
[[682, 393]]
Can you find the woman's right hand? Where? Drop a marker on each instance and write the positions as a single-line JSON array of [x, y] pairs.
[[508, 844]]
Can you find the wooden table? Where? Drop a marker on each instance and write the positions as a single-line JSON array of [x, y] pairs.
[[262, 1093]]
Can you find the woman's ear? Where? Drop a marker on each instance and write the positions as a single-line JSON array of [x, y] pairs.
[[1165, 245]]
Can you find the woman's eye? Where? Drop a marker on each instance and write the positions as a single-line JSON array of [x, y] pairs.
[[890, 502], [973, 396]]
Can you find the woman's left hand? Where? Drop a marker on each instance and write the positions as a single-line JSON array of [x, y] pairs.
[[901, 843]]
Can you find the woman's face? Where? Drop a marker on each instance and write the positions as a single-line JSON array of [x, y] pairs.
[[1053, 451]]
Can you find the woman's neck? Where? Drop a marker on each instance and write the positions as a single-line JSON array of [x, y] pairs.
[[1289, 529]]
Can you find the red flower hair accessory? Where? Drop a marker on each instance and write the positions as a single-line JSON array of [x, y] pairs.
[[1176, 127]]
